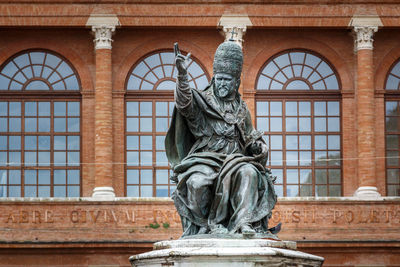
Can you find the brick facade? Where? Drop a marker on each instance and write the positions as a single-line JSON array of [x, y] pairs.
[[88, 232]]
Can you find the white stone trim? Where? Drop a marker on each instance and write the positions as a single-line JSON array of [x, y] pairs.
[[103, 193], [234, 27], [367, 193], [103, 26], [363, 37], [103, 34]]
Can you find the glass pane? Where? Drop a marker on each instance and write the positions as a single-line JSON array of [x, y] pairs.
[[305, 176], [30, 109], [73, 158], [393, 176], [3, 109], [320, 124], [146, 124], [161, 108], [3, 125], [146, 158], [262, 108], [161, 124], [30, 177], [44, 158], [333, 142], [132, 191], [162, 191], [161, 159], [44, 177], [14, 142], [305, 190], [146, 177], [276, 158], [44, 124], [132, 142], [333, 125], [320, 142], [146, 142], [305, 158], [333, 108], [335, 190], [319, 108], [73, 176], [60, 143], [291, 124], [162, 177], [30, 143], [60, 176], [276, 142], [15, 125], [73, 124], [73, 191], [30, 191], [292, 158], [292, 190], [276, 108], [60, 108], [291, 108], [132, 124], [15, 108], [59, 124], [59, 191], [132, 159], [132, 177], [30, 125], [276, 124], [291, 142], [321, 176], [392, 141], [73, 109], [160, 140], [146, 191], [59, 158], [321, 191], [132, 108], [43, 142], [73, 143], [146, 109], [334, 176], [305, 141], [262, 124]]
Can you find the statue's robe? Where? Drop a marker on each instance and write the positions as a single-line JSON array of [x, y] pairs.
[[209, 153]]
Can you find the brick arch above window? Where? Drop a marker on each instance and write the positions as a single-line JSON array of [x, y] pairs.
[[296, 69], [156, 71], [38, 70]]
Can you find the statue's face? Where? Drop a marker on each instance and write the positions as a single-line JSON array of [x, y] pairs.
[[225, 84]]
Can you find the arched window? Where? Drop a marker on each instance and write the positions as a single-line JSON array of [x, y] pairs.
[[39, 126], [392, 115], [150, 89], [298, 109]]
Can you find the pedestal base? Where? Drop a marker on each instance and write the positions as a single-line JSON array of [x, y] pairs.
[[103, 193], [367, 193], [225, 253]]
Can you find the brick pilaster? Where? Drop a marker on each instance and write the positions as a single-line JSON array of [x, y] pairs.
[[103, 113], [365, 98]]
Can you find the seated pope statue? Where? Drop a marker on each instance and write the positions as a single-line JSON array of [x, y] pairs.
[[218, 158]]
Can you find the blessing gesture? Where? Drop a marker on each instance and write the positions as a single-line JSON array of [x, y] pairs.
[[181, 61]]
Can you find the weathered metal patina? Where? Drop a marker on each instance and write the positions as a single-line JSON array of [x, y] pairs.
[[218, 158]]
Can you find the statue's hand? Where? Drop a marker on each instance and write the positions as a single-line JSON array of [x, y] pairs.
[[180, 60], [259, 150]]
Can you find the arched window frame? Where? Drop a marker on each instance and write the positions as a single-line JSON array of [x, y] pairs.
[[67, 182], [392, 129], [307, 95], [158, 181]]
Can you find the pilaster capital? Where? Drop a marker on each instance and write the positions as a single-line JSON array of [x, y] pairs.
[[234, 27], [364, 37], [364, 28], [103, 27]]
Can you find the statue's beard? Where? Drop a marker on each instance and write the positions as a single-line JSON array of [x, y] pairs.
[[225, 92]]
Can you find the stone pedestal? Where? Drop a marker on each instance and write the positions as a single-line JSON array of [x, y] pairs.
[[225, 253]]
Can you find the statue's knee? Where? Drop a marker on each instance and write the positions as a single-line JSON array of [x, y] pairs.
[[248, 171], [195, 182]]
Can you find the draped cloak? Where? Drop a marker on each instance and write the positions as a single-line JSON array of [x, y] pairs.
[[192, 141]]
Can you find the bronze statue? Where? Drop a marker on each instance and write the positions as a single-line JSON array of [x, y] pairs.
[[218, 158]]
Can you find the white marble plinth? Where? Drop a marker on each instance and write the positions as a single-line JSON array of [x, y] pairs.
[[225, 253]]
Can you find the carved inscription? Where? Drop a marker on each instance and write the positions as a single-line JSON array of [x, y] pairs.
[[126, 216]]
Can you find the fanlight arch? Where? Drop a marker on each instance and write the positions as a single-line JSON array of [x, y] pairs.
[[38, 70], [297, 70], [393, 77], [157, 71]]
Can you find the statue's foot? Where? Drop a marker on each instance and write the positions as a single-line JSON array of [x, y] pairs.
[[247, 230], [203, 230], [220, 230]]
